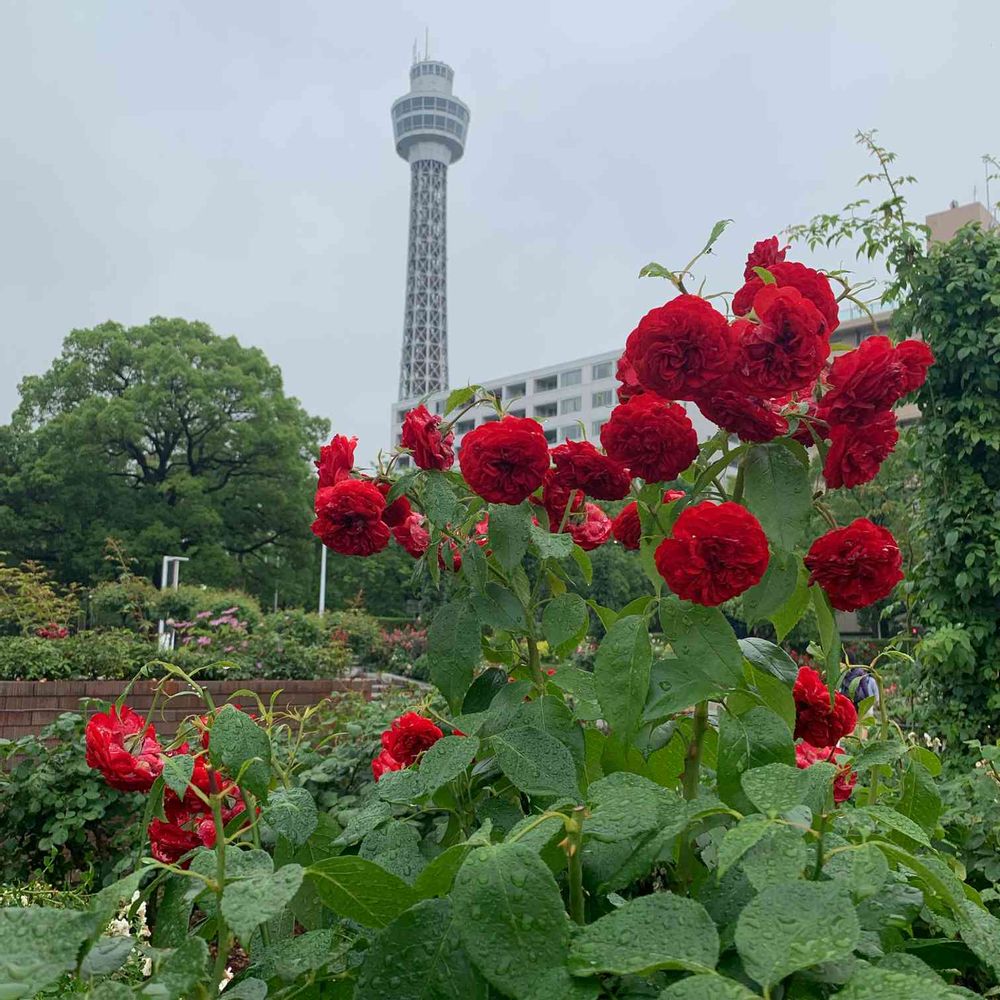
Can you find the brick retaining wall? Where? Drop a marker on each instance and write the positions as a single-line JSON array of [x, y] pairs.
[[27, 706]]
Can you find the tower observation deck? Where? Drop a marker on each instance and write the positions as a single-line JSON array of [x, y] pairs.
[[430, 126]]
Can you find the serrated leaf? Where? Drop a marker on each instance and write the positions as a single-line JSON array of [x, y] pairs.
[[677, 684], [863, 869], [749, 741], [774, 590], [981, 932], [707, 987], [871, 983], [420, 955], [499, 607], [439, 876], [874, 754], [449, 757], [565, 622], [777, 493], [459, 397], [181, 972], [250, 902], [770, 658], [661, 931], [623, 806], [779, 788], [548, 544], [454, 650], [440, 503], [510, 916], [892, 820], [536, 762], [787, 928], [739, 839], [396, 848], [177, 771], [508, 532], [702, 635], [621, 674], [360, 890], [291, 813], [778, 859], [242, 747], [919, 798], [785, 618]]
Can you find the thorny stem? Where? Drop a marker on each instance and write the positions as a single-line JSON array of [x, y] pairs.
[[884, 716], [690, 781], [224, 937], [535, 663], [573, 846]]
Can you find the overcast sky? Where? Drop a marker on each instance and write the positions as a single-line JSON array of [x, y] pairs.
[[234, 163]]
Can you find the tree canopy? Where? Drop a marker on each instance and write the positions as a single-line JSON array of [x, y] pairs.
[[172, 440]]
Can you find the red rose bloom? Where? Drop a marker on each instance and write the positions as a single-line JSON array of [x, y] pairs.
[[627, 528], [170, 840], [856, 565], [124, 749], [914, 357], [412, 535], [398, 511], [422, 435], [681, 347], [749, 418], [506, 460], [449, 547], [336, 460], [653, 437], [579, 464], [593, 531], [817, 721], [857, 453], [786, 349], [557, 495], [349, 518], [765, 254], [625, 373], [863, 382], [716, 551], [844, 780], [408, 737], [788, 274]]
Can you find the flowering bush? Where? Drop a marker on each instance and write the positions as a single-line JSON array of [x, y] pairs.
[[700, 819]]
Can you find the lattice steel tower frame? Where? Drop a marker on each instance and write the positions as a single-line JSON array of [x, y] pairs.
[[430, 126]]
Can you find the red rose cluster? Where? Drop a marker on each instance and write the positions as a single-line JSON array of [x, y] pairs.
[[125, 750], [403, 742], [844, 780]]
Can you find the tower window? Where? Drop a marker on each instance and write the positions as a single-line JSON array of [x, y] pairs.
[[572, 433], [546, 383], [546, 409], [516, 390], [464, 426], [602, 370], [572, 405], [603, 398], [573, 377], [550, 435], [596, 426]]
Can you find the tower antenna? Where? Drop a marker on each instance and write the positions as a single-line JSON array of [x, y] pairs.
[[415, 57], [427, 44]]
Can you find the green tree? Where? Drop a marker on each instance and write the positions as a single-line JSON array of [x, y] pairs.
[[173, 440]]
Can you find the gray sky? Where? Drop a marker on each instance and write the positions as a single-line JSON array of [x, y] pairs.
[[233, 162]]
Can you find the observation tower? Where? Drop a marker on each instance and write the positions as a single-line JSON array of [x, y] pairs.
[[430, 126]]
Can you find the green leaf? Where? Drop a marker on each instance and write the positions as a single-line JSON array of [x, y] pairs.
[[420, 956], [510, 916], [508, 532], [739, 839], [662, 931], [291, 813], [707, 987], [396, 848], [829, 637], [553, 716], [536, 762], [181, 973], [446, 760], [484, 689], [360, 890], [870, 983], [774, 590], [717, 230], [874, 754], [250, 902], [780, 788], [770, 658], [401, 484], [459, 397], [440, 503], [621, 674], [746, 742], [173, 915], [863, 869], [765, 275], [677, 684], [785, 618], [371, 815], [892, 820], [981, 932], [777, 493], [779, 858], [177, 771], [549, 545], [453, 649], [565, 622], [437, 878], [249, 989], [237, 744], [401, 787], [702, 635], [919, 798], [792, 927], [499, 607], [107, 955], [624, 805], [763, 689], [576, 682], [584, 564]]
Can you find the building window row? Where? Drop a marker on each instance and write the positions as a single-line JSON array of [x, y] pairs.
[[601, 371], [429, 121], [431, 69], [605, 397], [430, 104]]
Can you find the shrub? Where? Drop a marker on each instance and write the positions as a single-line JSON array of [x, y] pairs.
[[405, 645], [58, 819], [113, 654], [187, 602], [362, 633], [31, 600], [125, 603]]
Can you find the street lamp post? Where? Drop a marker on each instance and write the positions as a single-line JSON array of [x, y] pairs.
[[322, 579]]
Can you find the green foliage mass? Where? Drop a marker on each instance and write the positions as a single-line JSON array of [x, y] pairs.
[[173, 440]]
